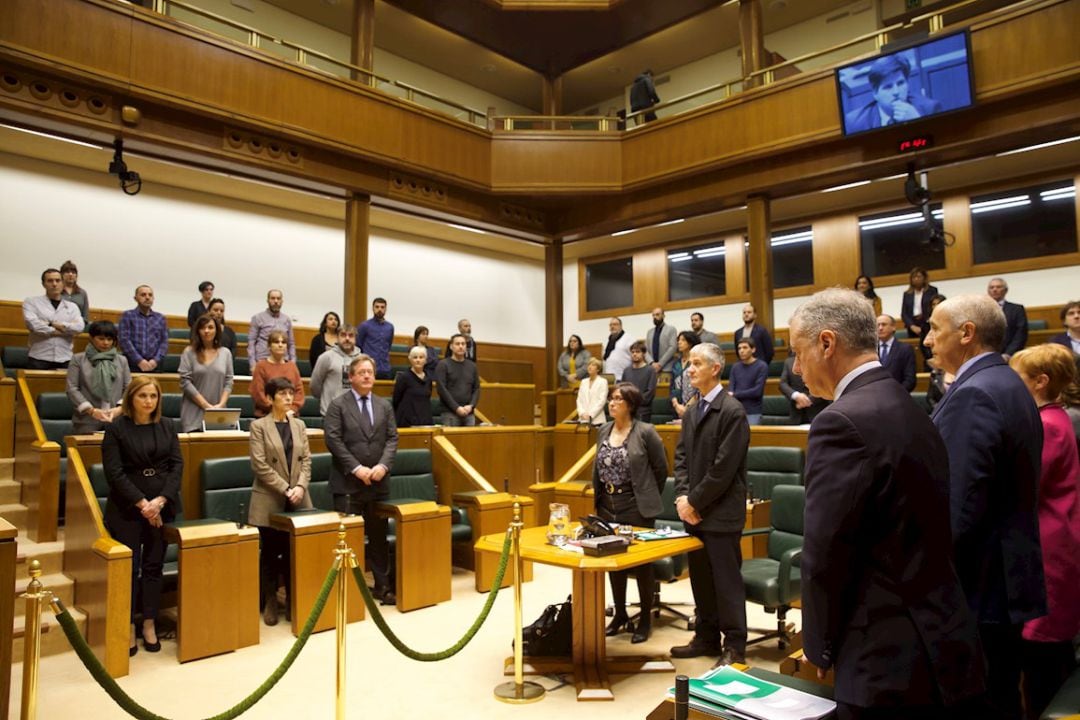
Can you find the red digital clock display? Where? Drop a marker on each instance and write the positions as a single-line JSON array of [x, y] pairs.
[[916, 143]]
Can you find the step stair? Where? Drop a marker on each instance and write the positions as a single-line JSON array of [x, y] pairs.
[[53, 640], [10, 491]]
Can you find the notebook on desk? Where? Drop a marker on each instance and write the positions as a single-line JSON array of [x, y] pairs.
[[221, 419]]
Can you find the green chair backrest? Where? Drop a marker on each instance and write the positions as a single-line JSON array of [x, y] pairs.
[[1037, 325], [921, 400], [319, 487], [768, 467], [240, 365], [170, 364], [244, 402], [225, 484], [170, 404], [786, 516], [55, 411], [775, 368], [99, 484], [411, 477], [304, 366]]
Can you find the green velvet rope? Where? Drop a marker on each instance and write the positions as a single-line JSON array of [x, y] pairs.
[[380, 621], [125, 701]]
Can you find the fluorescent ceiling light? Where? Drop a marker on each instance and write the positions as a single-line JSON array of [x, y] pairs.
[[53, 137], [468, 229], [845, 187], [710, 252], [792, 239], [892, 177], [670, 222], [897, 220], [1040, 146], [623, 232], [678, 255], [680, 259], [1064, 193], [1004, 203]]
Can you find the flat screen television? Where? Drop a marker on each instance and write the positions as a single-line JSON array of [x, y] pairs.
[[907, 85]]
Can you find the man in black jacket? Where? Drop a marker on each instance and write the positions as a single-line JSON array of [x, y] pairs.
[[1016, 322], [710, 497], [643, 95]]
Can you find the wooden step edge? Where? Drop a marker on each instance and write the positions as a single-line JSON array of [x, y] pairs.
[[49, 623]]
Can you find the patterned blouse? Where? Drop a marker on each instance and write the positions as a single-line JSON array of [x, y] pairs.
[[614, 465]]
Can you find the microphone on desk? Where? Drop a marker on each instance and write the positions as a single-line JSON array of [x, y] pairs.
[[682, 697]]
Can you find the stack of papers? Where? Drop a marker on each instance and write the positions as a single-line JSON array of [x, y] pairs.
[[659, 534], [728, 693]]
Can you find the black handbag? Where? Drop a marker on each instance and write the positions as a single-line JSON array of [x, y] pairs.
[[551, 635]]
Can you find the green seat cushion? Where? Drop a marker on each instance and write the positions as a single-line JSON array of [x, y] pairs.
[[761, 576], [921, 400], [411, 476], [1039, 325], [775, 368]]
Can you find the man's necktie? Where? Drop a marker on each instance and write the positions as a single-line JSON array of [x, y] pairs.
[[884, 353], [365, 419]]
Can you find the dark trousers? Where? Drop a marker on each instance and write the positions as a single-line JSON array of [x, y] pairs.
[[1002, 645], [375, 529], [273, 563], [622, 508], [1046, 666], [971, 710], [35, 364], [147, 560], [719, 594]]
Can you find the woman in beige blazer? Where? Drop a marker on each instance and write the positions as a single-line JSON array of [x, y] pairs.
[[281, 460], [592, 395]]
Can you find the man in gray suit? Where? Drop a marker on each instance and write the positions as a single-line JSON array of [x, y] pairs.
[[362, 438], [660, 342]]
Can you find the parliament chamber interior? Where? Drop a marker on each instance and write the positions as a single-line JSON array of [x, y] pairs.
[[487, 170]]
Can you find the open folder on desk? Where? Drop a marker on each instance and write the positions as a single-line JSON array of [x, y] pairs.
[[728, 693]]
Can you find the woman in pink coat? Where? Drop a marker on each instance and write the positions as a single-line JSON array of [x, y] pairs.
[[1047, 657]]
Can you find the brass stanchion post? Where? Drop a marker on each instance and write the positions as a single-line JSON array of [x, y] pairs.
[[345, 560], [34, 596], [518, 692]]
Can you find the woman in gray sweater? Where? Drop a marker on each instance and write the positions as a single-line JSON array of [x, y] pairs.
[[206, 374], [96, 380], [628, 476]]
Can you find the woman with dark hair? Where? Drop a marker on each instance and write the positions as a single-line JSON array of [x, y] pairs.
[[200, 307], [271, 367], [915, 306], [281, 461], [573, 362], [72, 292], [143, 465], [1047, 655], [420, 339], [864, 284], [641, 375], [412, 392], [327, 337], [206, 374], [628, 477], [226, 333], [682, 392], [96, 380]]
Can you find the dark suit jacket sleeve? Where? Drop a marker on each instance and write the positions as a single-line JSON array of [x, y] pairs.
[[734, 439], [657, 456], [193, 312], [390, 448], [649, 391], [907, 309], [440, 387], [909, 366], [171, 490], [334, 434], [785, 380], [475, 398], [838, 477], [971, 425], [1017, 329], [682, 477], [768, 350]]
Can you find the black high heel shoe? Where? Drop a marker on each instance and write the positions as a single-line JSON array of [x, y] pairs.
[[151, 647], [616, 625], [643, 630]]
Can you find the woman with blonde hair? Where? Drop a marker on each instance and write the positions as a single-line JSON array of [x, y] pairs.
[[592, 395], [1047, 652], [143, 465]]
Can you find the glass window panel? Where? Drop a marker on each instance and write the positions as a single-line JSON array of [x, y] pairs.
[[894, 242], [1024, 223], [792, 258], [698, 271], [609, 284]]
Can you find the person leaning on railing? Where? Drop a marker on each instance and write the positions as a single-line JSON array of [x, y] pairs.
[[143, 465], [281, 461]]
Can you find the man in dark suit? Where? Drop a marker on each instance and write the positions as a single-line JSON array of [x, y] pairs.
[[895, 356], [1016, 322], [710, 497], [362, 437], [804, 405], [892, 101], [994, 435], [643, 96], [763, 342], [881, 600]]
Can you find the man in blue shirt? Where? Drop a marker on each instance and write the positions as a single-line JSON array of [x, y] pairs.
[[144, 334], [374, 338]]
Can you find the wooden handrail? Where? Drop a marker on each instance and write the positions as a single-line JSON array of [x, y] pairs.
[[30, 407], [446, 449], [303, 53], [573, 473], [83, 485]]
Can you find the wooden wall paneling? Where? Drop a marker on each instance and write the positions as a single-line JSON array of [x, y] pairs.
[[508, 404], [7, 420], [759, 256], [650, 279], [556, 162], [505, 456], [553, 304], [957, 222], [357, 234], [837, 251], [735, 261]]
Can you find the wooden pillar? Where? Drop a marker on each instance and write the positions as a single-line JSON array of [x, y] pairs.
[[357, 214], [759, 256], [363, 37], [552, 96], [751, 39], [553, 297]]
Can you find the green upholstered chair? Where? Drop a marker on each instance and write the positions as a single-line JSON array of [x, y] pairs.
[[319, 487], [180, 333], [776, 410], [774, 581], [304, 366], [767, 467], [921, 400], [411, 480], [309, 412], [241, 337], [225, 486], [775, 368], [399, 348], [1038, 325], [14, 358], [170, 364], [662, 412], [55, 411], [240, 365], [244, 403]]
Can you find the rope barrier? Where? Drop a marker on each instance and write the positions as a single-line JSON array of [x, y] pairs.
[[129, 705], [380, 621]]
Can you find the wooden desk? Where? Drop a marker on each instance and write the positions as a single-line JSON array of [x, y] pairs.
[[218, 595], [491, 513], [589, 662], [421, 552], [312, 539]]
